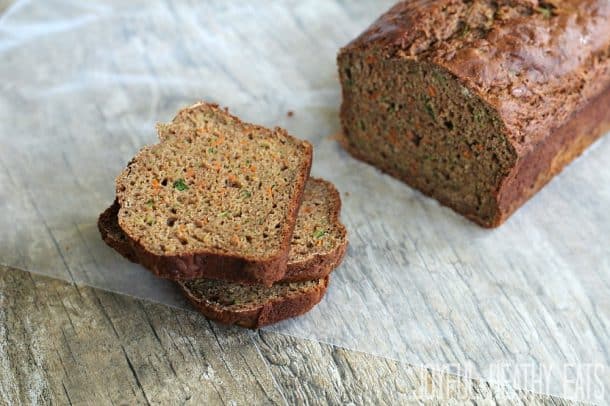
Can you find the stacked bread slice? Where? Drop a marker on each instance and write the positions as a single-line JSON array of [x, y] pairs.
[[227, 209]]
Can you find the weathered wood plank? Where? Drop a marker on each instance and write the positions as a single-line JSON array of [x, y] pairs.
[[63, 344]]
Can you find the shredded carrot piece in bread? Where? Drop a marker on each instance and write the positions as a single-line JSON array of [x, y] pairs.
[[156, 186], [234, 239]]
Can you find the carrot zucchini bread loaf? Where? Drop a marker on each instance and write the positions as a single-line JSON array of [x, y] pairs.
[[215, 198], [478, 103], [317, 246]]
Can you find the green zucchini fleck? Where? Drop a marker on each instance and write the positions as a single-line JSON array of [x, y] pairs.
[[545, 11], [429, 109], [180, 185], [319, 233]]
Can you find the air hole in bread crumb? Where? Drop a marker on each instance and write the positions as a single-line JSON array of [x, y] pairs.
[[250, 136], [416, 139], [173, 210], [265, 235], [164, 182], [232, 182], [171, 221], [277, 225], [249, 238]]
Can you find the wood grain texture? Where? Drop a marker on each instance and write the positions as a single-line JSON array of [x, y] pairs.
[[67, 344]]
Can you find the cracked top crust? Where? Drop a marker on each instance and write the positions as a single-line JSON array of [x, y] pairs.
[[535, 62]]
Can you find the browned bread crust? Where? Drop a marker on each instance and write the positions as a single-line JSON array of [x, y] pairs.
[[266, 312], [539, 70], [210, 262], [316, 265]]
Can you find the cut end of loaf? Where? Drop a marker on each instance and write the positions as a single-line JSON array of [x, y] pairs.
[[214, 184], [417, 122]]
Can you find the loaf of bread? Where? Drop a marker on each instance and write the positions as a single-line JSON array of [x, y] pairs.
[[216, 198], [478, 103]]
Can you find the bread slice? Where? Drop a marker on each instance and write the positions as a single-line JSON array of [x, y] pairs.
[[215, 198], [320, 239], [253, 306], [318, 244]]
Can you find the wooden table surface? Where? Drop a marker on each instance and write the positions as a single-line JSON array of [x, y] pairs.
[[66, 344]]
